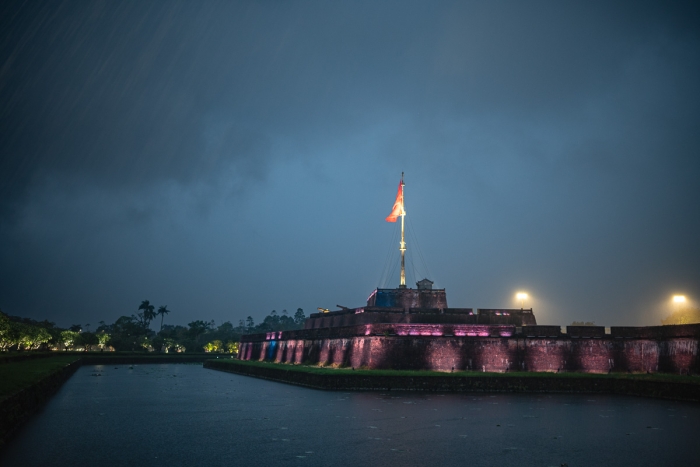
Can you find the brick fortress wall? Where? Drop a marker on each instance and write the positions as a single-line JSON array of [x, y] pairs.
[[496, 348], [395, 315]]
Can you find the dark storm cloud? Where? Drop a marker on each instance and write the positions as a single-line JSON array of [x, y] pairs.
[[126, 93], [130, 93], [128, 128]]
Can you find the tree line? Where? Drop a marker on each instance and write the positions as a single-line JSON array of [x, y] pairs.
[[134, 333], [684, 315]]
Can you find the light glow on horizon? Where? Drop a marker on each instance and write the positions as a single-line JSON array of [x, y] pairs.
[[679, 299], [521, 297]]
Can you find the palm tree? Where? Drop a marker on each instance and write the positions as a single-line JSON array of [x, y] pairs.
[[162, 311], [148, 312]]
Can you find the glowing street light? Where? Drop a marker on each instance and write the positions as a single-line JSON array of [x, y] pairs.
[[522, 296], [679, 299]]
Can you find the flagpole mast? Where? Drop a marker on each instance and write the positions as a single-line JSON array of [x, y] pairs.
[[402, 246]]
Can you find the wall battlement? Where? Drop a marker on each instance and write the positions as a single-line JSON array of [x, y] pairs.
[[375, 315], [500, 348]]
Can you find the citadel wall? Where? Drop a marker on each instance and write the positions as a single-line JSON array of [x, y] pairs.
[[667, 349], [372, 315]]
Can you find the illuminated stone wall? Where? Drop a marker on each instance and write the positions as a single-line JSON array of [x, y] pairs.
[[482, 348], [372, 315]]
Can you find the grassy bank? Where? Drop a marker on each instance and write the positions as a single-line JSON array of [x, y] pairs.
[[319, 370], [685, 388], [21, 374]]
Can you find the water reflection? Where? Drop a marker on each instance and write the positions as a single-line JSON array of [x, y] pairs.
[[185, 415]]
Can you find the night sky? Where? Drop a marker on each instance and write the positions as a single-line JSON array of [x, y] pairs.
[[230, 158]]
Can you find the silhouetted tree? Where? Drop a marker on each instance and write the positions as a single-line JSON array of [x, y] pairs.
[[162, 311], [148, 313], [87, 340], [299, 316], [199, 327], [125, 331]]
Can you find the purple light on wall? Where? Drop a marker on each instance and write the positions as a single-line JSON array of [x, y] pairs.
[[506, 333]]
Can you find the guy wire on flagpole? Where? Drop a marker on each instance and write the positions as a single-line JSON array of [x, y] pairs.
[[389, 265]]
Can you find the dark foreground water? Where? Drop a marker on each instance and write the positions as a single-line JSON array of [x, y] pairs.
[[182, 415]]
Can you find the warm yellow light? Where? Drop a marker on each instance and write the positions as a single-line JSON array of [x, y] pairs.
[[679, 298], [521, 296]]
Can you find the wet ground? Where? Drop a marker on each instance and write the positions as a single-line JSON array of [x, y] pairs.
[[177, 414]]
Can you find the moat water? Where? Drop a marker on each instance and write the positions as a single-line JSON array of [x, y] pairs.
[[184, 415]]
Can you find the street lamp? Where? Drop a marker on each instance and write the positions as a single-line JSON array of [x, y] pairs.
[[679, 301], [522, 296]]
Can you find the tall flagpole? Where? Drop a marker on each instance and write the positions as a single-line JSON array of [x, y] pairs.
[[402, 246]]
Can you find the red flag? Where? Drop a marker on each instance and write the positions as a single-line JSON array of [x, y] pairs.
[[398, 205]]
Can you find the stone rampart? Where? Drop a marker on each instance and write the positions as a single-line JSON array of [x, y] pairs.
[[667, 349], [375, 315], [18, 407]]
